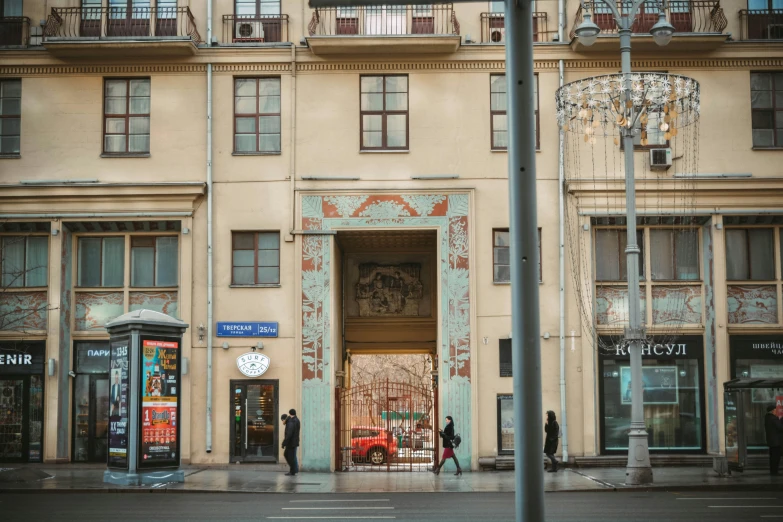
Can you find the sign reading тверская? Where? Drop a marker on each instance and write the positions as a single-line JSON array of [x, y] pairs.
[[247, 329]]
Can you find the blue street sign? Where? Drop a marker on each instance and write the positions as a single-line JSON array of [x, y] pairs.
[[246, 329]]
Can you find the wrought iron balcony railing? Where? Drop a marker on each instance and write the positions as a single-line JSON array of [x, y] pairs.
[[14, 31], [121, 23], [387, 20], [761, 24], [249, 29], [687, 16], [493, 28]]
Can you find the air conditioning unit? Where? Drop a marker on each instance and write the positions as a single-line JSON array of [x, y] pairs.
[[775, 31], [249, 31], [660, 159], [497, 35]]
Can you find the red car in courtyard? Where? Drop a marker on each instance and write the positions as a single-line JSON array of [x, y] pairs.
[[370, 445]]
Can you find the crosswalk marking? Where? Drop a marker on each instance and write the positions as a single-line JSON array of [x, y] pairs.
[[325, 518], [334, 508], [367, 500], [721, 498], [326, 512], [747, 507]]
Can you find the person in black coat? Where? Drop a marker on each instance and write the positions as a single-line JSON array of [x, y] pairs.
[[774, 428], [447, 434], [552, 431], [291, 441]]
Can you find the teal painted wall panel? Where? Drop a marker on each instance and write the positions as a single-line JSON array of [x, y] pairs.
[[316, 433]]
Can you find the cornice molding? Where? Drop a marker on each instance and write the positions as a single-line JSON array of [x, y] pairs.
[[67, 70], [402, 65], [252, 67], [595, 65], [762, 186], [684, 63], [18, 193]]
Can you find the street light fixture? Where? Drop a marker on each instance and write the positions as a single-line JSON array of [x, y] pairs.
[[638, 469], [587, 32], [662, 31]]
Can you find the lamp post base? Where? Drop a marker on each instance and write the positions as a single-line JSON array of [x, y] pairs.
[[639, 470], [143, 478]]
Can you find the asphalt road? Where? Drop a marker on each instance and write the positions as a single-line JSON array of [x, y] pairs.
[[582, 507]]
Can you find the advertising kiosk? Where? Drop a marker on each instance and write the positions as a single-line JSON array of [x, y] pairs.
[[144, 399]]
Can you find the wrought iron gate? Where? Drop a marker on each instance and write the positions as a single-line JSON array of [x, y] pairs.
[[386, 426]]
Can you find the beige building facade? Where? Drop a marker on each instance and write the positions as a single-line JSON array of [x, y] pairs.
[[343, 173]]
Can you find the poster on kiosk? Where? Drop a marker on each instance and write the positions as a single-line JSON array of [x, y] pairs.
[[119, 387], [159, 402]]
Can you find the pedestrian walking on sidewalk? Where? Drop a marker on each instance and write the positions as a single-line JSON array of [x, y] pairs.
[[774, 428], [552, 431], [447, 434], [291, 441]]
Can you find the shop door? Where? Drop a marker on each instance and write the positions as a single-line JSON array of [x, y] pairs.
[[254, 421], [91, 422], [21, 418]]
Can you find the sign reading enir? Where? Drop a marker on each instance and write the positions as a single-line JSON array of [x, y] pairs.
[[246, 329]]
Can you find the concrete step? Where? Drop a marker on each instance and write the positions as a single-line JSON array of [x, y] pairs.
[[619, 461], [506, 462]]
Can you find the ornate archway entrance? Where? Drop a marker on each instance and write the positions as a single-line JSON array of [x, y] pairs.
[[322, 215]]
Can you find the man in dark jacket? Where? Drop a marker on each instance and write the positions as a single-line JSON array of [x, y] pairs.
[[291, 442], [552, 431], [774, 429]]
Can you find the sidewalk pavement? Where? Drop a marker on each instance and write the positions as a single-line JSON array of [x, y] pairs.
[[271, 479]]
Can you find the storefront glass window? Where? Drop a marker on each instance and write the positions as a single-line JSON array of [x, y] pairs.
[[505, 424], [81, 421], [672, 395], [21, 401], [11, 419], [36, 418], [92, 357]]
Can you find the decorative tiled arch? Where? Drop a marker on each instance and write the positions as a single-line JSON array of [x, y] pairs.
[[448, 213]]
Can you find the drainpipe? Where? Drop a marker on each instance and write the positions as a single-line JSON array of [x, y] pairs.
[[292, 163], [209, 236], [561, 245]]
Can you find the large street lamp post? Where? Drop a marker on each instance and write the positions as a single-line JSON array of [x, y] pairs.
[[523, 231], [638, 469]]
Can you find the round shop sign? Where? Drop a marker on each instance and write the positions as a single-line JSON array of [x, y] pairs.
[[252, 364]]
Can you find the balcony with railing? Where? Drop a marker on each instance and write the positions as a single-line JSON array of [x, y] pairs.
[[761, 24], [253, 30], [14, 31], [386, 29], [698, 24], [493, 28], [102, 31]]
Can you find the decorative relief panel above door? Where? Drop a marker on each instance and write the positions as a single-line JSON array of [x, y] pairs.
[[389, 290]]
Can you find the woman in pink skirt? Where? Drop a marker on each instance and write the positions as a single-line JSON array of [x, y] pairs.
[[447, 434]]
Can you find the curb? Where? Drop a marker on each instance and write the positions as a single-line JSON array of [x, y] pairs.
[[612, 489]]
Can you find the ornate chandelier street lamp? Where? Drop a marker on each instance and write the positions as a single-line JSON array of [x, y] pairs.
[[623, 105]]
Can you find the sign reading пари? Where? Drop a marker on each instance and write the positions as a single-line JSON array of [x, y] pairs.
[[246, 329]]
